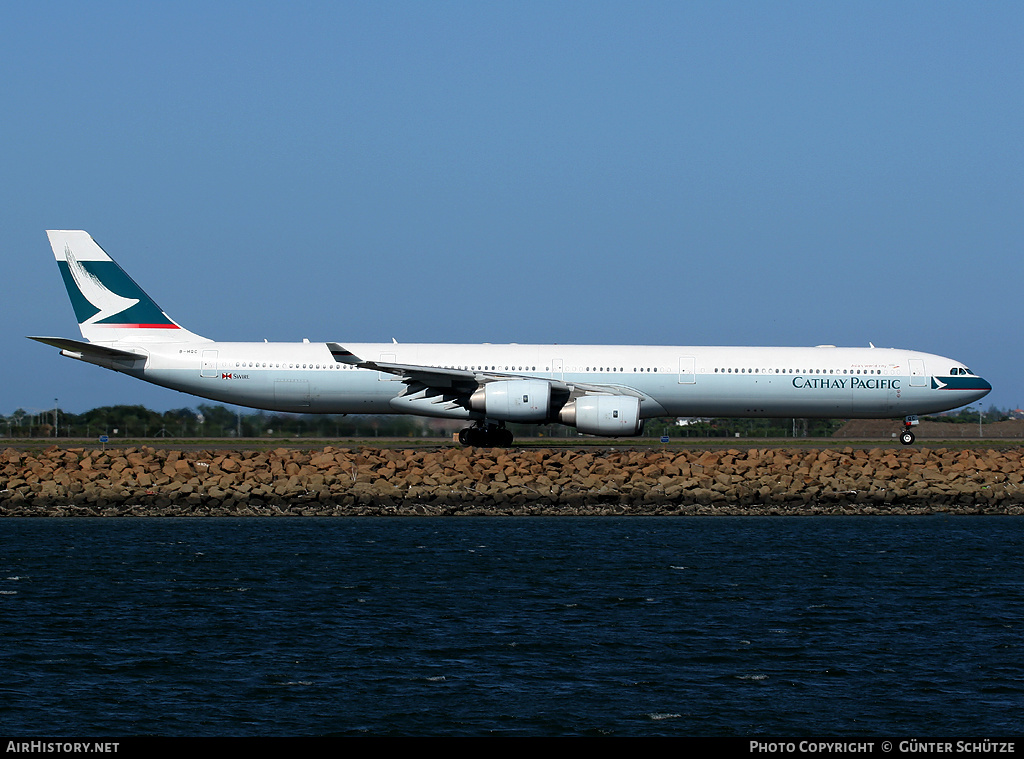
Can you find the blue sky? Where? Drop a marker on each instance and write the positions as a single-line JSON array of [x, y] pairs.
[[686, 173]]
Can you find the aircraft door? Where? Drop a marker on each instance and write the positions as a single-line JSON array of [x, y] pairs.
[[917, 373], [208, 368], [687, 370]]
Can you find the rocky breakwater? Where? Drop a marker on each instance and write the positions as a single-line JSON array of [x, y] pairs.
[[382, 481]]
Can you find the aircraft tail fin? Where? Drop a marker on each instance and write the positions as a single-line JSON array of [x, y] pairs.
[[108, 304]]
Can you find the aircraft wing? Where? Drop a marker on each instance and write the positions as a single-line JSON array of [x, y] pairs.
[[464, 380]]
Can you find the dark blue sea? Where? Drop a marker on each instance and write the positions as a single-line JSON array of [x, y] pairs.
[[693, 626]]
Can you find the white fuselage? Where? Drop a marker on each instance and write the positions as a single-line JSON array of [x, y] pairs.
[[674, 381]]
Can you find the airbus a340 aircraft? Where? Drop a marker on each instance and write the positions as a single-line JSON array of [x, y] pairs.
[[603, 390]]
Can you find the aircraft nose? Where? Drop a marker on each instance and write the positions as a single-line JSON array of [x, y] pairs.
[[981, 388]]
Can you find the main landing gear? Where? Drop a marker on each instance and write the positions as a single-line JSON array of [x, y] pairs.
[[486, 435], [907, 437]]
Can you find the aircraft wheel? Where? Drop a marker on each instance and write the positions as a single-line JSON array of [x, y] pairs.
[[473, 437], [486, 437], [907, 437]]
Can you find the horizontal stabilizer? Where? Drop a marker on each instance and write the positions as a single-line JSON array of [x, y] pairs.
[[87, 349]]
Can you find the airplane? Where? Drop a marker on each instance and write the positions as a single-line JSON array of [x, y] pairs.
[[602, 390]]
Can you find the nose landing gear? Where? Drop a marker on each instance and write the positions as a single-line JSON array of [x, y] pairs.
[[907, 437]]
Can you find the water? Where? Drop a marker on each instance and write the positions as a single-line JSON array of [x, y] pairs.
[[746, 626]]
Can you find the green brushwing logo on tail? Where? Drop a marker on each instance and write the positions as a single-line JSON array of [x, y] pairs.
[[102, 294]]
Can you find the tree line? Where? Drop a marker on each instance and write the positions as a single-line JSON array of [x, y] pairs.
[[206, 421], [215, 421]]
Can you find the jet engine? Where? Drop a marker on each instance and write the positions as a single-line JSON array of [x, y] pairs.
[[604, 415], [513, 400]]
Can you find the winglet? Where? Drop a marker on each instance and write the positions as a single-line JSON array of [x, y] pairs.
[[343, 355]]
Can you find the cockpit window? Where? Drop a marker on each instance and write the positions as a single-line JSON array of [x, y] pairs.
[[960, 370]]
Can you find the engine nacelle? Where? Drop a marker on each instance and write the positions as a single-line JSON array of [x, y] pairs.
[[605, 415], [513, 400]]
